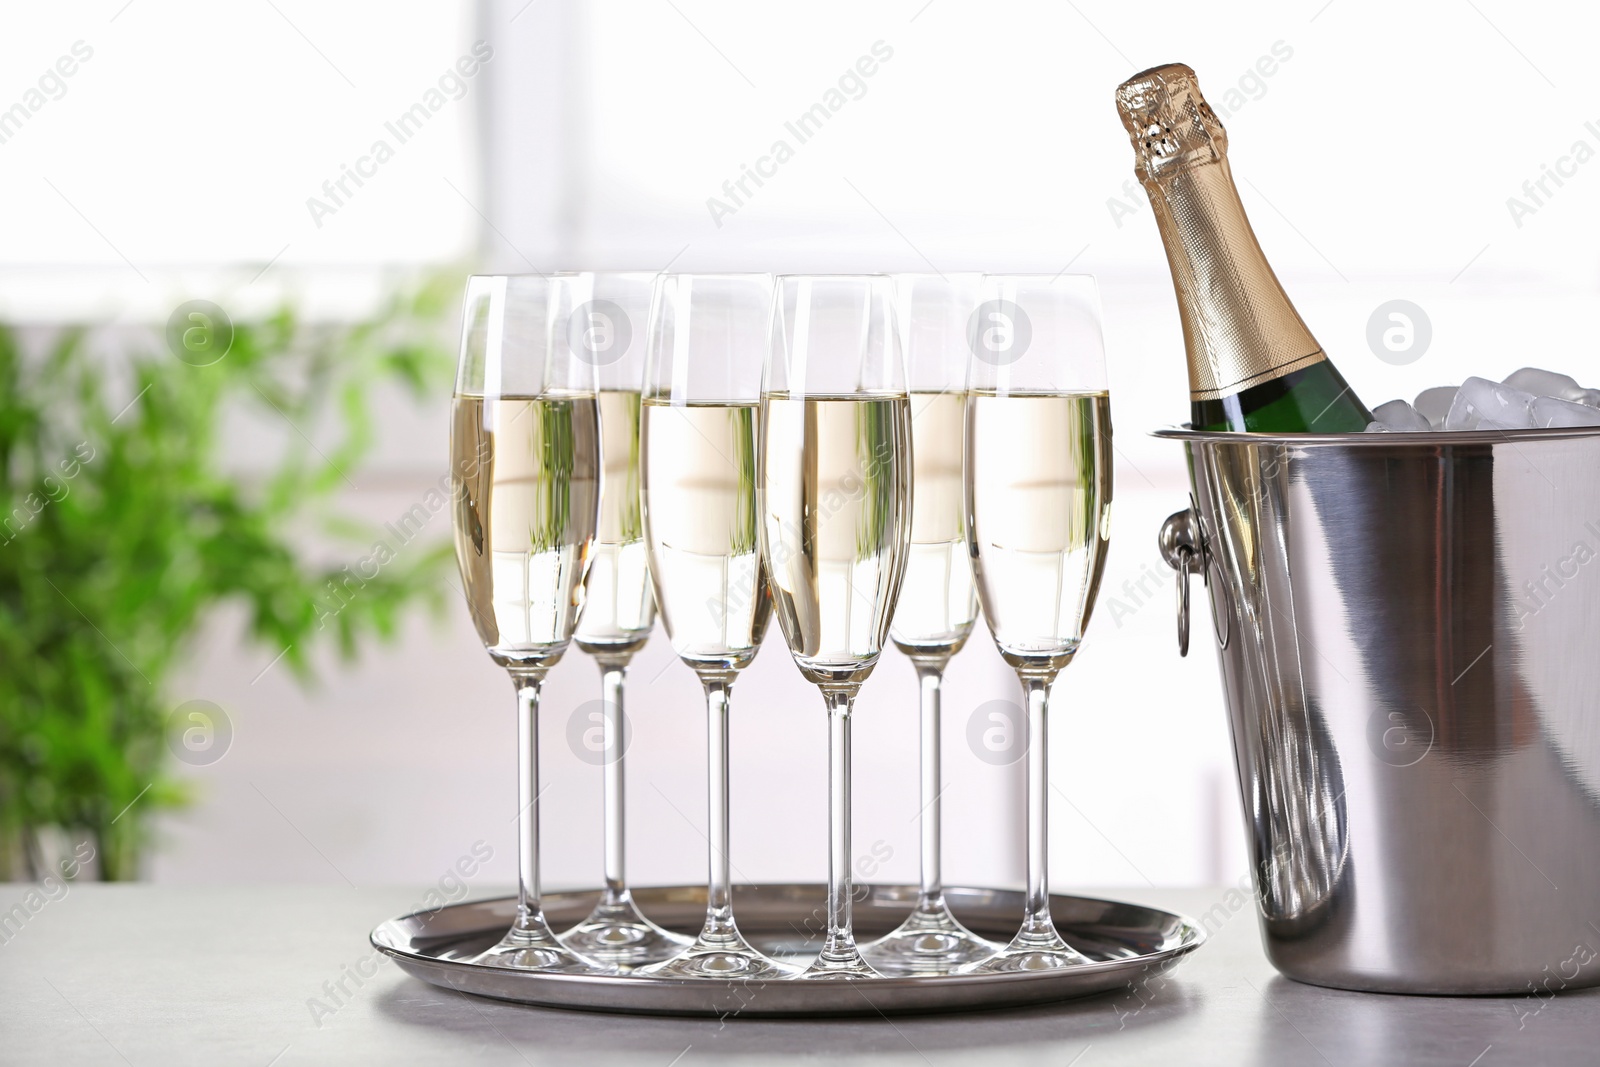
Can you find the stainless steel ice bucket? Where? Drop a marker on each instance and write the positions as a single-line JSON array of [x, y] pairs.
[[1409, 633]]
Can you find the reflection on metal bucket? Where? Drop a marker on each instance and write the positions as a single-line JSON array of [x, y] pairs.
[[1407, 627]]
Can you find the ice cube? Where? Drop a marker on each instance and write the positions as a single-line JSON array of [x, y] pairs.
[[1434, 404], [1376, 427], [1462, 415], [1482, 404], [1549, 383], [1550, 411], [1399, 416], [1543, 383]]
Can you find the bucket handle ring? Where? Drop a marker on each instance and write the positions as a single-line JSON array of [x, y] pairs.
[[1183, 546]]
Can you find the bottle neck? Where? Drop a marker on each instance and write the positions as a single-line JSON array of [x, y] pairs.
[[1239, 328]]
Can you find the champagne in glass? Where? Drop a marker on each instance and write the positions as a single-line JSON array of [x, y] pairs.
[[699, 441], [1041, 490], [702, 516], [605, 328], [938, 602], [525, 462], [835, 499], [1038, 500]]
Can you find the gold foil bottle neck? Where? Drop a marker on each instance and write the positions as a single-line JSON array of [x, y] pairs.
[[1171, 125], [1239, 328]]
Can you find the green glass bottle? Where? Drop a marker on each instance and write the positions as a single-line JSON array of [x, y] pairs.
[[1253, 365]]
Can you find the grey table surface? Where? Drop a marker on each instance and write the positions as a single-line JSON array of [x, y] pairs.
[[230, 975]]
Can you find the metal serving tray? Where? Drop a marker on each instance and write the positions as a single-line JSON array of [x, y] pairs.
[[1126, 942]]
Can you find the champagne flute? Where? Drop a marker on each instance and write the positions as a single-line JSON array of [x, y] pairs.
[[1038, 507], [701, 394], [525, 463], [938, 603], [835, 499], [605, 327]]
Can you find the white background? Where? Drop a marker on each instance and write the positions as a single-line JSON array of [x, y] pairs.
[[1376, 163]]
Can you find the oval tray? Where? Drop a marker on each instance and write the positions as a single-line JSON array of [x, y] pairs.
[[1125, 942]]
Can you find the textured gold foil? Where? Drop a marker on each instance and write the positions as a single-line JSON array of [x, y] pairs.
[[1239, 327]]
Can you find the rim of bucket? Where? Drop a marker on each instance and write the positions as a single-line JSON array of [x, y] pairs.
[[1432, 438]]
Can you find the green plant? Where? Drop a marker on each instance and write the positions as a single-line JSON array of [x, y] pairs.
[[120, 533]]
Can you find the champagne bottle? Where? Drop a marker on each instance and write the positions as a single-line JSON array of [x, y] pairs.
[[1253, 365]]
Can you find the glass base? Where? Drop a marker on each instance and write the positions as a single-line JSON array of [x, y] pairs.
[[616, 933], [930, 941], [720, 956], [840, 965], [530, 946], [1042, 950]]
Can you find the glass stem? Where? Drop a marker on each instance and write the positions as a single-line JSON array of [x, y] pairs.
[[530, 913], [719, 880], [613, 676], [840, 945], [1036, 922], [931, 680]]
